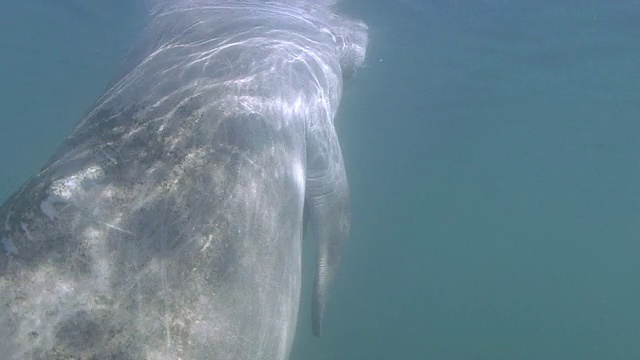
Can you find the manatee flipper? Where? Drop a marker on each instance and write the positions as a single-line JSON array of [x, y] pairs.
[[327, 202]]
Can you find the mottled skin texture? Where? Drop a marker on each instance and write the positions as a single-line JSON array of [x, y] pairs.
[[169, 224]]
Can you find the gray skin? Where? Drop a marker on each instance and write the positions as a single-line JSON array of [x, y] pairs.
[[168, 225]]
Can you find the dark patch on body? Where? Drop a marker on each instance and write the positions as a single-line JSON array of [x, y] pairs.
[[4, 260], [91, 336], [249, 134]]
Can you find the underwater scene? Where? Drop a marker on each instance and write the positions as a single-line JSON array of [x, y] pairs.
[[492, 150]]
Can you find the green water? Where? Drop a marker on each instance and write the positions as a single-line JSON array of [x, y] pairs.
[[493, 150]]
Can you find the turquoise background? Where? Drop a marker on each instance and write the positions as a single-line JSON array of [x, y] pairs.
[[493, 151]]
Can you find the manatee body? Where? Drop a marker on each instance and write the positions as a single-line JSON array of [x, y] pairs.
[[168, 225]]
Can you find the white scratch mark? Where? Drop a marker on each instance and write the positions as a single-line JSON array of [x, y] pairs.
[[26, 231]]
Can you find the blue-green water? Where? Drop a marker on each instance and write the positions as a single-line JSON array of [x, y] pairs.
[[56, 58], [493, 149]]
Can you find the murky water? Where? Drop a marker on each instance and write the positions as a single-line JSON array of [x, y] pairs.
[[493, 151]]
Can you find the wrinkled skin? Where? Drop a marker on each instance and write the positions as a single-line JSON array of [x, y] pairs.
[[169, 223]]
